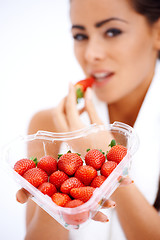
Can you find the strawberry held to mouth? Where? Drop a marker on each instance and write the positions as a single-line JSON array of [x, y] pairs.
[[82, 85]]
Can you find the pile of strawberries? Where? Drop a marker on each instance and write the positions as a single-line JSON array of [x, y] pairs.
[[70, 180]]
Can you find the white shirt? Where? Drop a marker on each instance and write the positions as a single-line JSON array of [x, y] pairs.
[[145, 169]]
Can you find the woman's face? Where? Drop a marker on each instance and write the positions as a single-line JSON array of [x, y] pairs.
[[114, 44]]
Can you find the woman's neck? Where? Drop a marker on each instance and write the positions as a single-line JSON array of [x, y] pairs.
[[126, 110]]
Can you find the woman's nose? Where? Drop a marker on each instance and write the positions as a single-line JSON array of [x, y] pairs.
[[95, 50]]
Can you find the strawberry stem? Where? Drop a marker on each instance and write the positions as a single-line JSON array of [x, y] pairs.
[[79, 93]]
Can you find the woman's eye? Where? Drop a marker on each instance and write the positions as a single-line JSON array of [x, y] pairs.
[[80, 37], [113, 32]]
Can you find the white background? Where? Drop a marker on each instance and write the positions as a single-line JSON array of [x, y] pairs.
[[36, 64]]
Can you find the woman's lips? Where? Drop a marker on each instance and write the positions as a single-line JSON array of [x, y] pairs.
[[101, 80]]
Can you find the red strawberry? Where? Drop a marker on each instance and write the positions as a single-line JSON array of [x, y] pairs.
[[60, 198], [97, 181], [107, 168], [36, 176], [57, 178], [82, 85], [86, 174], [48, 164], [70, 183], [82, 193], [78, 218], [23, 165], [47, 188], [69, 163], [74, 203], [116, 153], [94, 158]]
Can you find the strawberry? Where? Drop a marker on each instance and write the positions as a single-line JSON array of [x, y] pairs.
[[36, 176], [116, 153], [23, 165], [97, 181], [60, 198], [69, 163], [48, 164], [82, 193], [95, 158], [78, 218], [47, 188], [69, 184], [57, 178], [108, 167], [73, 203], [86, 174], [82, 85]]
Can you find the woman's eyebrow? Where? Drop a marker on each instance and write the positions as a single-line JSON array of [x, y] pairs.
[[99, 24], [78, 26]]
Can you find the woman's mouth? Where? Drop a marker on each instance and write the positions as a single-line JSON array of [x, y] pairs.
[[102, 78]]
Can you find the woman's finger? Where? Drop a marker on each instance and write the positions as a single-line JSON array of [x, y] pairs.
[[109, 204], [100, 217], [72, 113], [90, 108], [125, 181], [59, 117], [22, 196]]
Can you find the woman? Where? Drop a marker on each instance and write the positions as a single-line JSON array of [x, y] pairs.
[[118, 43]]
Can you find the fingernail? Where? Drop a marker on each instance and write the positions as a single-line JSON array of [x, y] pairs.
[[107, 220], [112, 205], [89, 93], [17, 199]]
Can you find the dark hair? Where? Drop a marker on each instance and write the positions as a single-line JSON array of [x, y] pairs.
[[148, 8]]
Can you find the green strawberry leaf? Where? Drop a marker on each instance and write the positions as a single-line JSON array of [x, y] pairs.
[[34, 160], [112, 143], [79, 93], [101, 151], [59, 155], [88, 150], [78, 154]]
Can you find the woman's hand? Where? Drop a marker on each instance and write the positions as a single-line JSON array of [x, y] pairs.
[[22, 196], [66, 116]]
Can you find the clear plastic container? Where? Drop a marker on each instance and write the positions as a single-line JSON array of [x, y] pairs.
[[48, 143]]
